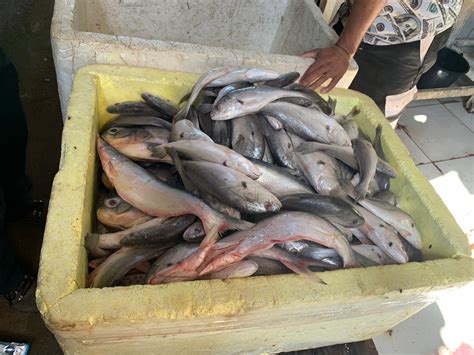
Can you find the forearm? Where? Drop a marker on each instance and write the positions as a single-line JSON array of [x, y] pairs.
[[362, 15]]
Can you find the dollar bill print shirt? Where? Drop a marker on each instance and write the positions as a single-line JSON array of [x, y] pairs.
[[403, 21]]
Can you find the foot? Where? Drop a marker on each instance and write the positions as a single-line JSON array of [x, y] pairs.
[[22, 298]]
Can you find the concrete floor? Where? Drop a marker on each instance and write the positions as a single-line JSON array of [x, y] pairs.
[[24, 35]]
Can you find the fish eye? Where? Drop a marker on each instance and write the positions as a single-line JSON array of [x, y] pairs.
[[113, 130], [112, 202]]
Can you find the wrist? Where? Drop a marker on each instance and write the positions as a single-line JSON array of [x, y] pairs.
[[342, 52], [349, 48]]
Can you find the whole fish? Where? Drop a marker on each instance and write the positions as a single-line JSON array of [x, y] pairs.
[[249, 75], [135, 142], [155, 228], [231, 187], [211, 152], [222, 133], [373, 253], [395, 217], [278, 181], [383, 236], [133, 121], [202, 82], [307, 123], [119, 263], [268, 266], [133, 108], [247, 137], [185, 130], [173, 256], [345, 155], [386, 196], [240, 269], [114, 212], [160, 104], [332, 208], [249, 100], [279, 229], [194, 233], [280, 145], [367, 161], [282, 80], [136, 186], [322, 172], [228, 89], [351, 129]]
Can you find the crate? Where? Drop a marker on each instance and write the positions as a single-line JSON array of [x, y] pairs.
[[182, 35], [256, 314]]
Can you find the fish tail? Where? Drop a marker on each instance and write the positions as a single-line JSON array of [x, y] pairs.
[[360, 191], [352, 113], [181, 114], [92, 244]]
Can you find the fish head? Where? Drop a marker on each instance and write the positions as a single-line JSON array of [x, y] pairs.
[[108, 157], [408, 230], [115, 135], [229, 107], [115, 203]]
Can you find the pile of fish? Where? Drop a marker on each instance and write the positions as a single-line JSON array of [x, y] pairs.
[[253, 174]]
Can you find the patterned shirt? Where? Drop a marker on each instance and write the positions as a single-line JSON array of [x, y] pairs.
[[403, 21]]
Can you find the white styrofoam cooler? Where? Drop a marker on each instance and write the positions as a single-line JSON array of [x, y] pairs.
[[186, 35]]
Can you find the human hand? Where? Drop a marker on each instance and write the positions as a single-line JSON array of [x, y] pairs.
[[330, 63]]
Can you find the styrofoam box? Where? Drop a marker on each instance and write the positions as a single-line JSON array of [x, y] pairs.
[[187, 36]]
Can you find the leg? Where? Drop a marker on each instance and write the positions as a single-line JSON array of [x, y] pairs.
[[386, 70]]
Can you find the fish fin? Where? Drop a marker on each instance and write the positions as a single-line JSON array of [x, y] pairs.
[[92, 241], [352, 113], [332, 105], [238, 224], [185, 98], [188, 185], [360, 191], [306, 148], [181, 114], [301, 268], [157, 150], [212, 236]]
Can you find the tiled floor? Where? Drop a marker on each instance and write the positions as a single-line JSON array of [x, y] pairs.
[[440, 139]]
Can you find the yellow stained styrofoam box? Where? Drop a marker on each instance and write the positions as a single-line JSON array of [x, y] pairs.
[[256, 314]]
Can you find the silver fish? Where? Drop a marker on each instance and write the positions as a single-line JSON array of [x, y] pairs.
[[131, 121], [395, 217], [185, 130], [249, 75], [280, 145], [160, 104], [194, 233], [278, 181], [283, 80], [244, 268], [228, 89], [133, 108], [307, 123], [322, 172], [211, 152], [383, 236], [250, 100], [231, 187], [367, 161], [247, 138]]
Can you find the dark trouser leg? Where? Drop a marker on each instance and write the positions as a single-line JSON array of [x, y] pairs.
[[16, 185], [392, 70], [10, 272]]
